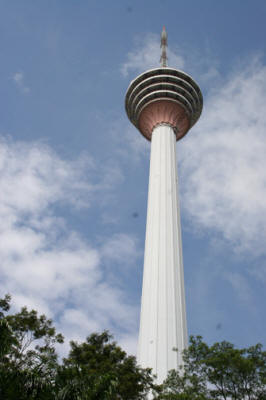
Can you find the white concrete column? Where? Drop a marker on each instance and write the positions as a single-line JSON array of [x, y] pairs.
[[163, 312]]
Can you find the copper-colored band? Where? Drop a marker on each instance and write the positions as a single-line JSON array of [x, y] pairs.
[[163, 111]]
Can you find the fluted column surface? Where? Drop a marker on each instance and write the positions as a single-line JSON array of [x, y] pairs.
[[163, 312]]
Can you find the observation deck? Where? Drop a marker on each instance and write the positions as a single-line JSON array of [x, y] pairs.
[[163, 96]]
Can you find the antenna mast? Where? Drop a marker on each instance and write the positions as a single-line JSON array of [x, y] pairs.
[[163, 59]]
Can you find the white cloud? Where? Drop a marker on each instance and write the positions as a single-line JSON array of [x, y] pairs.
[[147, 55], [129, 343], [223, 163], [18, 78], [134, 146], [45, 264], [241, 285], [120, 247], [136, 142]]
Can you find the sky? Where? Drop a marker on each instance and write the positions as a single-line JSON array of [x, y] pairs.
[[74, 171]]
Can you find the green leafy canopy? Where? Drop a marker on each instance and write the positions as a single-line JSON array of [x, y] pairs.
[[98, 369]]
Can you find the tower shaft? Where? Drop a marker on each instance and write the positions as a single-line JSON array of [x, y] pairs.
[[163, 314]]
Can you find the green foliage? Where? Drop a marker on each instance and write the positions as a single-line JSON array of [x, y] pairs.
[[99, 369], [218, 372], [28, 361], [95, 369]]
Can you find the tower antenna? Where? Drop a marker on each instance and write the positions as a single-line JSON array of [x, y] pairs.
[[163, 59]]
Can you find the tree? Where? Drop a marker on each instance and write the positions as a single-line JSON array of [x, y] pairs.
[[98, 369], [95, 369], [28, 360], [218, 372]]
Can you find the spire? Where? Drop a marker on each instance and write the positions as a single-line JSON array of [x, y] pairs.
[[163, 59]]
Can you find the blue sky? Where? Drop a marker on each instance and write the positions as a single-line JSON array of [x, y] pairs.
[[74, 172]]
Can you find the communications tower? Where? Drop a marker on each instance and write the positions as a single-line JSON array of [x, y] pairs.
[[163, 104]]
